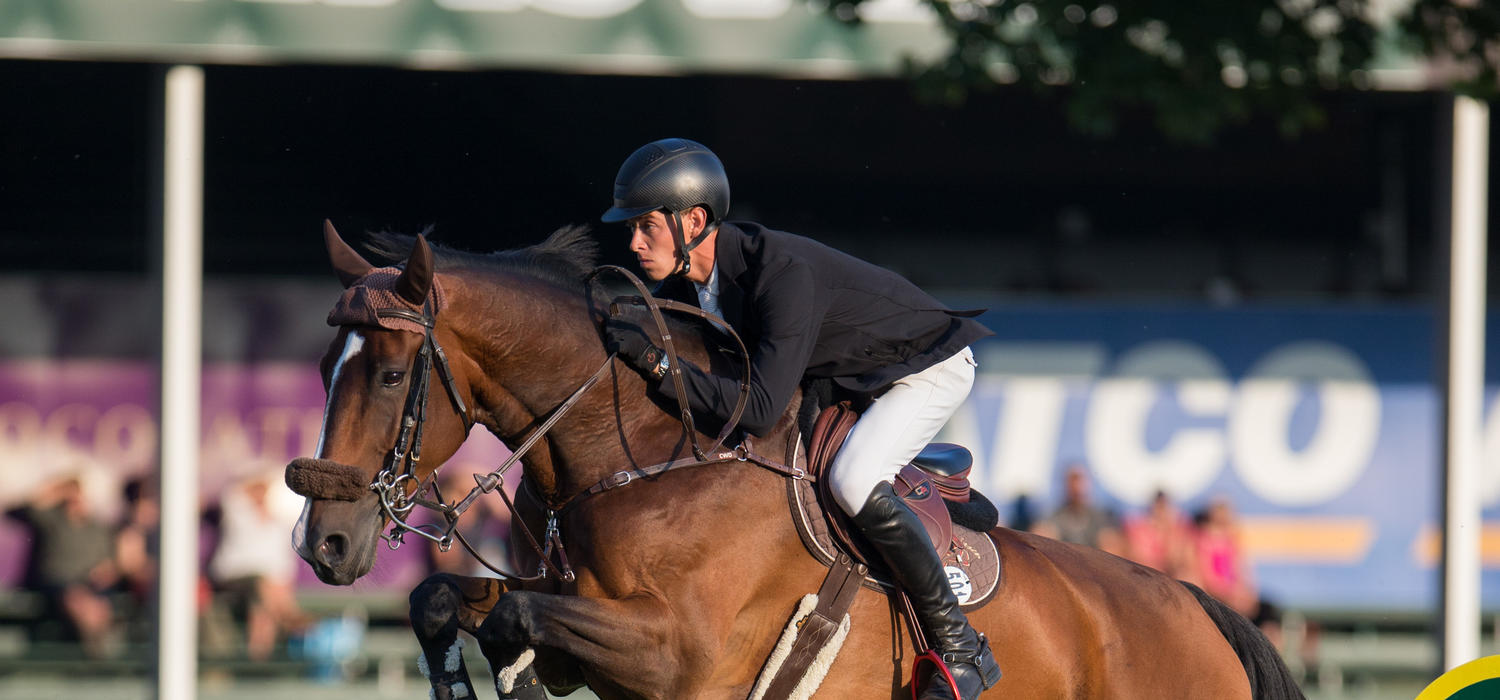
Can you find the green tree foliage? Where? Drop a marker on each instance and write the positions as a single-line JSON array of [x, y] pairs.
[[1198, 66]]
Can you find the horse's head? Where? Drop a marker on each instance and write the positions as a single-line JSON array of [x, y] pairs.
[[382, 374]]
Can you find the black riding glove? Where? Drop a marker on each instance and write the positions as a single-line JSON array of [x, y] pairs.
[[631, 344]]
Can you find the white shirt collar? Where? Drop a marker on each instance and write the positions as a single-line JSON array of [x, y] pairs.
[[708, 294]]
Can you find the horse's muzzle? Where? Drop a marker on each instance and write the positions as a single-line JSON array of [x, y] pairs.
[[326, 479]]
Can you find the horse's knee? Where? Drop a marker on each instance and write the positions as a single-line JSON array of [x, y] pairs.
[[434, 606]]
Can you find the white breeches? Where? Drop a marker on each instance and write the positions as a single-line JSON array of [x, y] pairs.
[[897, 426]]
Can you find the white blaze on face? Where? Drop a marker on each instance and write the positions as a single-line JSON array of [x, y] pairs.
[[352, 345]]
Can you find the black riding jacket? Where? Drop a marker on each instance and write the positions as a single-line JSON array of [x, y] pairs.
[[805, 309]]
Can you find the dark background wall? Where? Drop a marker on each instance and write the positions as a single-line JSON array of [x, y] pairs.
[[994, 196]]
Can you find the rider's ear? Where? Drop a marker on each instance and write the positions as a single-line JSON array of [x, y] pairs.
[[416, 280], [347, 263]]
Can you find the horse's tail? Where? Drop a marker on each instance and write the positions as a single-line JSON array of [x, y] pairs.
[[1269, 677]]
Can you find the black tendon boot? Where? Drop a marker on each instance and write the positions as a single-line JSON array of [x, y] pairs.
[[902, 541]]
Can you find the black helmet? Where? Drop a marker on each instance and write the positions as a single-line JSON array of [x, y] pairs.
[[671, 174]]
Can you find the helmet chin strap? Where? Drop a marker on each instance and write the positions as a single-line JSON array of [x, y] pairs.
[[685, 261]]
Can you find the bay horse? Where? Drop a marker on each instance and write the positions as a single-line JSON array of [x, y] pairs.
[[677, 585]]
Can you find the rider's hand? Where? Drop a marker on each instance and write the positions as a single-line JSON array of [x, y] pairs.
[[627, 341]]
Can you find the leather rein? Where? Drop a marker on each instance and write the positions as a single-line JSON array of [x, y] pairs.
[[400, 491]]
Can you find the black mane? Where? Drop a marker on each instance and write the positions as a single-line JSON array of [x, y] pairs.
[[563, 259]]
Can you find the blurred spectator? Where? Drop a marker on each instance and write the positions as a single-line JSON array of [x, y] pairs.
[[1221, 564], [1078, 520], [1021, 517], [1162, 538], [1224, 571], [138, 542], [253, 568], [137, 551], [72, 562]]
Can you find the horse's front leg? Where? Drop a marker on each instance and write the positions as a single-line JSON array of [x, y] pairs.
[[625, 642], [441, 606]]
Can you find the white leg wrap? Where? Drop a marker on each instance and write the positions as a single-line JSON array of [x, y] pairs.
[[455, 656], [451, 661], [505, 680]]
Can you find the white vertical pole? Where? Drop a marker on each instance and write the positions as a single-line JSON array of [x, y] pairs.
[[1466, 311], [182, 321]]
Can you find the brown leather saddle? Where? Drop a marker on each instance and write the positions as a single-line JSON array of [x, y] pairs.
[[936, 487]]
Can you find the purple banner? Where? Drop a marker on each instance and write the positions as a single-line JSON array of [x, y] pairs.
[[98, 419]]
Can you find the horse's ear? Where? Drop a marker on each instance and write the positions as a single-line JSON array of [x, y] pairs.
[[416, 280], [347, 263]]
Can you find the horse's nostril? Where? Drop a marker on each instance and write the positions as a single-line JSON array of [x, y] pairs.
[[333, 549]]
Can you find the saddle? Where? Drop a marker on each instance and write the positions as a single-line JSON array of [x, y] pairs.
[[935, 485]]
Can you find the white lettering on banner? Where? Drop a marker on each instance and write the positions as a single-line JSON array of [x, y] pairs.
[[1135, 446], [1343, 439], [126, 436], [1034, 378], [123, 438], [1118, 411], [1033, 407], [20, 430]]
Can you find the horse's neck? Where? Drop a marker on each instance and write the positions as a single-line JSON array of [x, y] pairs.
[[529, 347]]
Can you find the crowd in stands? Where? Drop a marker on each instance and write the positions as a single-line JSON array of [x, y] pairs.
[[1204, 548], [95, 575], [91, 554]]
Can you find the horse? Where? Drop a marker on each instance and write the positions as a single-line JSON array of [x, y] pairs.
[[676, 585]]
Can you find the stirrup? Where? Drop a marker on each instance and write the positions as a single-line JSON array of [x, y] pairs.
[[983, 660], [931, 656]]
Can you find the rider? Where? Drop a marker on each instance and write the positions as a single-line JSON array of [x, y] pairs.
[[806, 309]]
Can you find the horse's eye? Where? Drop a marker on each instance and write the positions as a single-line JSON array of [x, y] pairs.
[[392, 378]]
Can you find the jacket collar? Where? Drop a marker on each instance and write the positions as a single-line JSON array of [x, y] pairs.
[[729, 259]]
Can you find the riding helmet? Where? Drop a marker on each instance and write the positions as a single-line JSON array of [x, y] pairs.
[[671, 174]]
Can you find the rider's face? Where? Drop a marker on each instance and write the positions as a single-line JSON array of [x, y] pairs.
[[651, 241]]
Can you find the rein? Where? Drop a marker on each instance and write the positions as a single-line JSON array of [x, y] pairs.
[[398, 497]]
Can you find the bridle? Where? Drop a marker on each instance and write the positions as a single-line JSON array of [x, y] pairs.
[[399, 470], [400, 491]]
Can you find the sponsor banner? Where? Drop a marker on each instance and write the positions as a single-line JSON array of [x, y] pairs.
[[98, 419], [1320, 426], [629, 36]]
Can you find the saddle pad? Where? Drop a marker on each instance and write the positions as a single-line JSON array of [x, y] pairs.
[[972, 561]]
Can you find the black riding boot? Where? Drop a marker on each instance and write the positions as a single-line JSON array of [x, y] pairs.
[[898, 535]]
